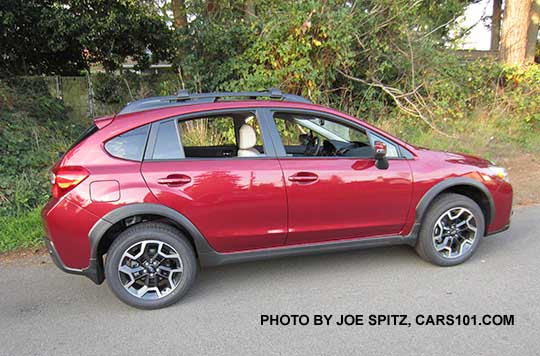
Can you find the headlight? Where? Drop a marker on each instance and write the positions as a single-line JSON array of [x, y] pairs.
[[500, 172]]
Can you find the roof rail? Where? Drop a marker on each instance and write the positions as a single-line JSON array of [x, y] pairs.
[[184, 97]]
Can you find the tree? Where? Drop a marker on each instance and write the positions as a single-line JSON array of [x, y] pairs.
[[517, 34], [37, 37], [532, 34], [111, 31], [496, 25], [66, 36]]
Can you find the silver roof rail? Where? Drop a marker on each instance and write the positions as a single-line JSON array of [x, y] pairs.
[[184, 97]]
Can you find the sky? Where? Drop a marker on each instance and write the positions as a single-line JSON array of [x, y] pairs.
[[480, 36]]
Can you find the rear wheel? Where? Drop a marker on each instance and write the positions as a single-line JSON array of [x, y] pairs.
[[451, 230], [150, 266]]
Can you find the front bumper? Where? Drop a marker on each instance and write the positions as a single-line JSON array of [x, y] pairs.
[[506, 227], [93, 272]]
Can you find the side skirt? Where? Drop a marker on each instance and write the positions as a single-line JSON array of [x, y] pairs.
[[214, 258]]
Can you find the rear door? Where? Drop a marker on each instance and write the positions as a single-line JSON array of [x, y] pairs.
[[238, 203]]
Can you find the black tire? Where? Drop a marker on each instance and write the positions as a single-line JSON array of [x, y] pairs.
[[424, 244], [151, 231]]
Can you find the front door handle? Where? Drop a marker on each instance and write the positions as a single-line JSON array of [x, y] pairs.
[[304, 177], [175, 179]]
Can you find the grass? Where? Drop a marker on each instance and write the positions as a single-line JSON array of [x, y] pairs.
[[21, 231]]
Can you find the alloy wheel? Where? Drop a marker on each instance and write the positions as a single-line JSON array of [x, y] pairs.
[[150, 269], [454, 232]]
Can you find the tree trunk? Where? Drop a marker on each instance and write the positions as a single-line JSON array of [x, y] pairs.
[[496, 25], [532, 34], [515, 28], [179, 13]]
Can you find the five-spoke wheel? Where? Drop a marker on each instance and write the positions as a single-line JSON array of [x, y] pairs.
[[454, 232], [150, 265], [451, 230], [150, 269]]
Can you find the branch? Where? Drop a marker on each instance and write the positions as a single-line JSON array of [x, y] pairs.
[[403, 100]]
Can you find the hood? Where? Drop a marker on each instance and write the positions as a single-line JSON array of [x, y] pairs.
[[458, 158]]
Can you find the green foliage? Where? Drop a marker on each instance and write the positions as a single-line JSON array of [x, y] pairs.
[[109, 89], [66, 36], [118, 89], [34, 128], [207, 53], [304, 47], [522, 93]]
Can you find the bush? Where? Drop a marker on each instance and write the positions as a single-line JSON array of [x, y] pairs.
[[35, 128]]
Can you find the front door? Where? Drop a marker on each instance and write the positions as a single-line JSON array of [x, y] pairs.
[[334, 190], [199, 167]]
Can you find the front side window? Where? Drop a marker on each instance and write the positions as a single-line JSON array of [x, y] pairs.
[[391, 148], [306, 135], [129, 145]]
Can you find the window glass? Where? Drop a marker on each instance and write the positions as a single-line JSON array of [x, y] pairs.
[[167, 144], [304, 135], [391, 149], [129, 145], [215, 131], [223, 136]]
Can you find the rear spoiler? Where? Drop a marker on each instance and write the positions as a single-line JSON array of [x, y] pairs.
[[103, 121]]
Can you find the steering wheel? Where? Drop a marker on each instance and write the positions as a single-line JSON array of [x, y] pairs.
[[313, 146]]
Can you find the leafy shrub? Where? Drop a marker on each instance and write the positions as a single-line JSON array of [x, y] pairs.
[[35, 128]]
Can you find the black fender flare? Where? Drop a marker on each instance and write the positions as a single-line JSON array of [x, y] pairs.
[[101, 226], [428, 197]]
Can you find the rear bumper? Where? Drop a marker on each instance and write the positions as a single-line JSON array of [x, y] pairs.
[[93, 272], [498, 231]]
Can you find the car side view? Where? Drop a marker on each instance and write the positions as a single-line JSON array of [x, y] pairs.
[[169, 184]]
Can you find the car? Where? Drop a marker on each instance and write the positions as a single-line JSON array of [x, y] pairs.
[[146, 197]]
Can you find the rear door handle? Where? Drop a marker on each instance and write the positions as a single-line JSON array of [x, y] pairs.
[[175, 179], [304, 177]]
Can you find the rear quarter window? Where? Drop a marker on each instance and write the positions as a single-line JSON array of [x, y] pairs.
[[129, 145]]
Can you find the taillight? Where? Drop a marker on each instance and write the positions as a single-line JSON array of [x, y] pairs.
[[66, 178]]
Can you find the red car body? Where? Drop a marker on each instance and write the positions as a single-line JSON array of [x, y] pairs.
[[255, 206]]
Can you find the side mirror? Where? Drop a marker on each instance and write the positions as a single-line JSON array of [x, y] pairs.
[[380, 155]]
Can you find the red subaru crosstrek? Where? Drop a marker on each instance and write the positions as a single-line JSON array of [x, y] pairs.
[[172, 183]]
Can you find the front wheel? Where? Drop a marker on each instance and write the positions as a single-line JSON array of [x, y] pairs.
[[150, 266], [451, 230]]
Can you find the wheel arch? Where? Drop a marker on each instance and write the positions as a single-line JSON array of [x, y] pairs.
[[468, 187], [107, 228]]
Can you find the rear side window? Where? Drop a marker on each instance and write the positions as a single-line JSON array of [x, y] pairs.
[[208, 132], [237, 134], [221, 136], [129, 145]]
